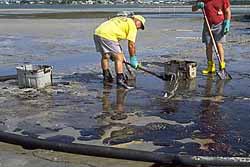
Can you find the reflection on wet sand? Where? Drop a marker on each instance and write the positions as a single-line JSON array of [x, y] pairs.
[[116, 109], [211, 118]]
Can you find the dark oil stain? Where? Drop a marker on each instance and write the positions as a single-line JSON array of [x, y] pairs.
[[90, 134]]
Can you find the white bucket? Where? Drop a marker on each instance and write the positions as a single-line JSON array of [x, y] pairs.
[[34, 76]]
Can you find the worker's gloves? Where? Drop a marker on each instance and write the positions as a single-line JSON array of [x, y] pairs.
[[200, 5], [226, 26], [133, 61]]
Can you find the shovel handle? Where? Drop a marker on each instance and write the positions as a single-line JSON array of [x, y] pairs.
[[145, 70], [129, 70]]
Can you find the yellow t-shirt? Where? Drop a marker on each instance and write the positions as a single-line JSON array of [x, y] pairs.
[[117, 29]]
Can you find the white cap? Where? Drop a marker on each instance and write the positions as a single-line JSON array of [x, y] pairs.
[[141, 19]]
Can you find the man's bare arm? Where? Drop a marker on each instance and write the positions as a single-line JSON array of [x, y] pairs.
[[131, 48]]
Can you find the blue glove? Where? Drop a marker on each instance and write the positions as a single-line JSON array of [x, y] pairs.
[[200, 5], [133, 61], [226, 26]]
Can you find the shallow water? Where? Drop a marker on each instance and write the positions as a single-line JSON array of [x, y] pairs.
[[205, 117]]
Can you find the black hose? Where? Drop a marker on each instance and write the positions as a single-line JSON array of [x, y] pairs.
[[214, 161], [119, 153], [7, 77], [83, 149]]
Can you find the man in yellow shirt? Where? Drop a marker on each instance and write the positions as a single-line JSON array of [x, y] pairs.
[[107, 37]]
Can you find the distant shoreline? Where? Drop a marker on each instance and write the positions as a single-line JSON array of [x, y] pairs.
[[96, 6], [98, 11]]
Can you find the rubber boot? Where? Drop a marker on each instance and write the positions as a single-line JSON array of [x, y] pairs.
[[222, 65], [121, 82], [107, 77], [210, 68]]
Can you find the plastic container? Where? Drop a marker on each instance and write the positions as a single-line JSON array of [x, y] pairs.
[[34, 76], [181, 69]]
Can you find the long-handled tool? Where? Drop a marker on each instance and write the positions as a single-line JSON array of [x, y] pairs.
[[223, 74], [147, 71], [131, 74]]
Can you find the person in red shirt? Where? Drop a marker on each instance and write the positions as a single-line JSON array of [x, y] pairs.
[[219, 15]]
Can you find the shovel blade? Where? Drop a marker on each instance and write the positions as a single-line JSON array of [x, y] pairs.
[[224, 75]]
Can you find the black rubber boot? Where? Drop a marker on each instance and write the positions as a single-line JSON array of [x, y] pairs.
[[121, 82], [107, 76]]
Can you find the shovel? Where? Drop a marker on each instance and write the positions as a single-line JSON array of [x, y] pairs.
[[222, 74], [147, 71], [131, 74]]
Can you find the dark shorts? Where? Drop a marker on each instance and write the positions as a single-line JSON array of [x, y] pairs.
[[217, 31], [105, 46]]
